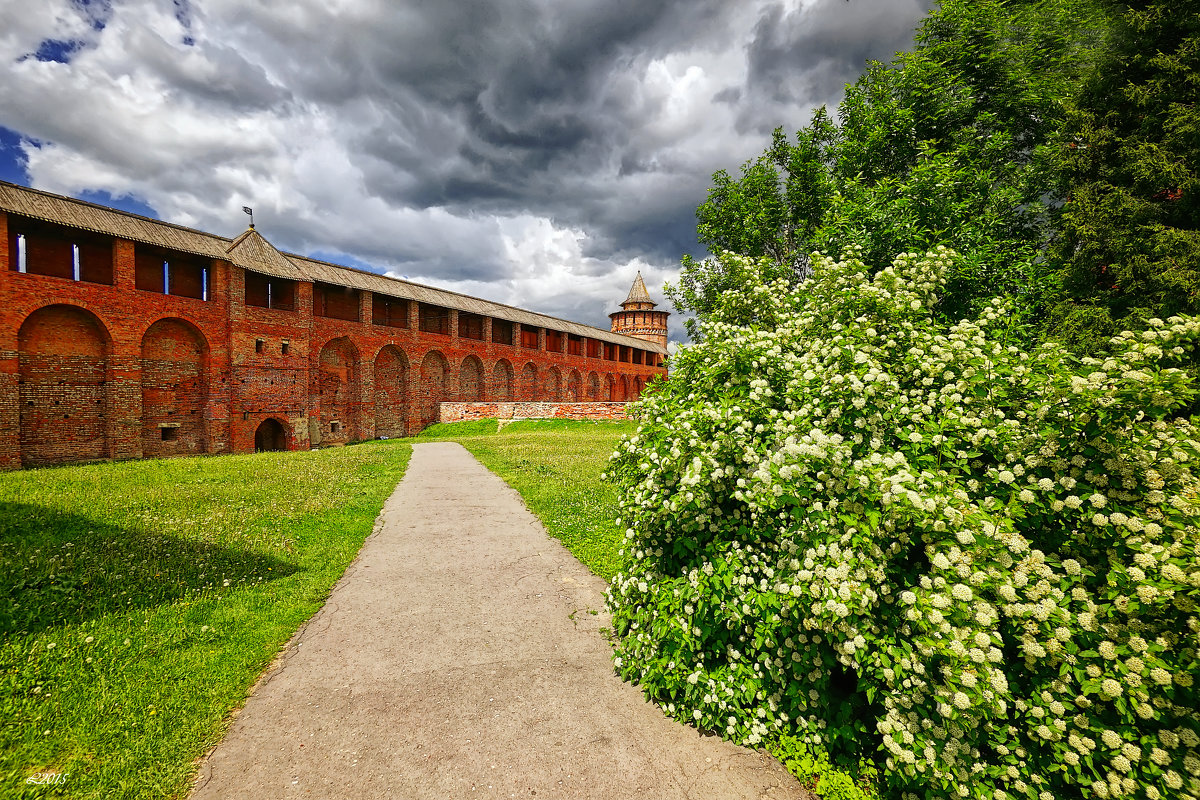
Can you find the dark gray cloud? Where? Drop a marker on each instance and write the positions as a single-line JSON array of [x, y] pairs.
[[806, 56], [537, 152]]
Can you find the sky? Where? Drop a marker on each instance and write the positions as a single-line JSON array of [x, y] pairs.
[[531, 152]]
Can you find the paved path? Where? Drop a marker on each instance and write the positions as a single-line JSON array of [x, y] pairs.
[[458, 657]]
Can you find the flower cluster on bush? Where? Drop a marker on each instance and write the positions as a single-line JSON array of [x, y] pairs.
[[851, 524]]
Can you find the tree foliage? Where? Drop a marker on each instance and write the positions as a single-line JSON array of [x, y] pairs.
[[1130, 154], [952, 143]]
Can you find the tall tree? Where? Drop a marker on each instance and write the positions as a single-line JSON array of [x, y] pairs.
[[1130, 244], [950, 144], [772, 210]]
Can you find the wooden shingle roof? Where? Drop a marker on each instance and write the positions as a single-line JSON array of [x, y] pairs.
[[638, 293], [253, 252]]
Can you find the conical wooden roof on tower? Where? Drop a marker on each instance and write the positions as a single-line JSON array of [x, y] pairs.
[[638, 293], [638, 317]]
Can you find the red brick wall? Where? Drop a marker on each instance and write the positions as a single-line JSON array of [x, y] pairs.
[[503, 381], [89, 370], [391, 392], [471, 382], [457, 412], [174, 390], [336, 390], [63, 374]]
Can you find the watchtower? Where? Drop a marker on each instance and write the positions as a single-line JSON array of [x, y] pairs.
[[638, 318]]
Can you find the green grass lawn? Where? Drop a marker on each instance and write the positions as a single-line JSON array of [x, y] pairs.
[[555, 465], [139, 601]]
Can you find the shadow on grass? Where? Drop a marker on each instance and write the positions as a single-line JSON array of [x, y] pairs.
[[58, 568]]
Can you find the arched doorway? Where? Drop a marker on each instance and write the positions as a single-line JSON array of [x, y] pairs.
[[270, 437], [174, 389], [573, 385], [391, 392], [593, 386], [62, 363], [337, 383]]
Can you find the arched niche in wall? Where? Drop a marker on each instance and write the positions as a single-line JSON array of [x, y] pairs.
[[552, 384], [174, 389], [62, 363], [529, 383], [338, 375], [391, 400], [502, 381], [470, 380], [435, 371]]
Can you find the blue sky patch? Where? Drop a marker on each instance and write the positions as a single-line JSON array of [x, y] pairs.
[[12, 159], [58, 50]]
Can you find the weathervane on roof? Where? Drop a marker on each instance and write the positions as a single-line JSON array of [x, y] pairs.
[[249, 211]]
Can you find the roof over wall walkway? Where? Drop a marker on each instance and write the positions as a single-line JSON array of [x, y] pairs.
[[250, 250]]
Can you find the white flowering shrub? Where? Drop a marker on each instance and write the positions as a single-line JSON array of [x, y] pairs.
[[977, 564]]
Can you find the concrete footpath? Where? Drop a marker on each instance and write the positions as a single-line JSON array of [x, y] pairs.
[[459, 657]]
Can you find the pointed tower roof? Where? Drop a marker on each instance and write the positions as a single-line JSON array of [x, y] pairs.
[[251, 251], [638, 293]]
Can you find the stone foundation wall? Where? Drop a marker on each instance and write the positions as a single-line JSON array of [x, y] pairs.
[[458, 412]]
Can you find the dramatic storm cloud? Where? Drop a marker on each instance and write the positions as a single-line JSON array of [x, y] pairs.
[[533, 152]]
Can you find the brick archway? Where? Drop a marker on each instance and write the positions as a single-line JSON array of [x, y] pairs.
[[613, 389], [338, 387], [391, 398], [270, 436], [470, 380], [174, 389], [593, 386], [574, 387], [62, 362], [435, 372], [502, 381], [529, 382], [552, 384]]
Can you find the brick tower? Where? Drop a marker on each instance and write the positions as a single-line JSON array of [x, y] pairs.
[[638, 318]]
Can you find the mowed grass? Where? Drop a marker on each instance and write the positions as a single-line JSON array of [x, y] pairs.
[[555, 465], [139, 601]]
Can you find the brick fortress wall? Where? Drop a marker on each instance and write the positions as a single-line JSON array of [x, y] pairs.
[[99, 361]]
